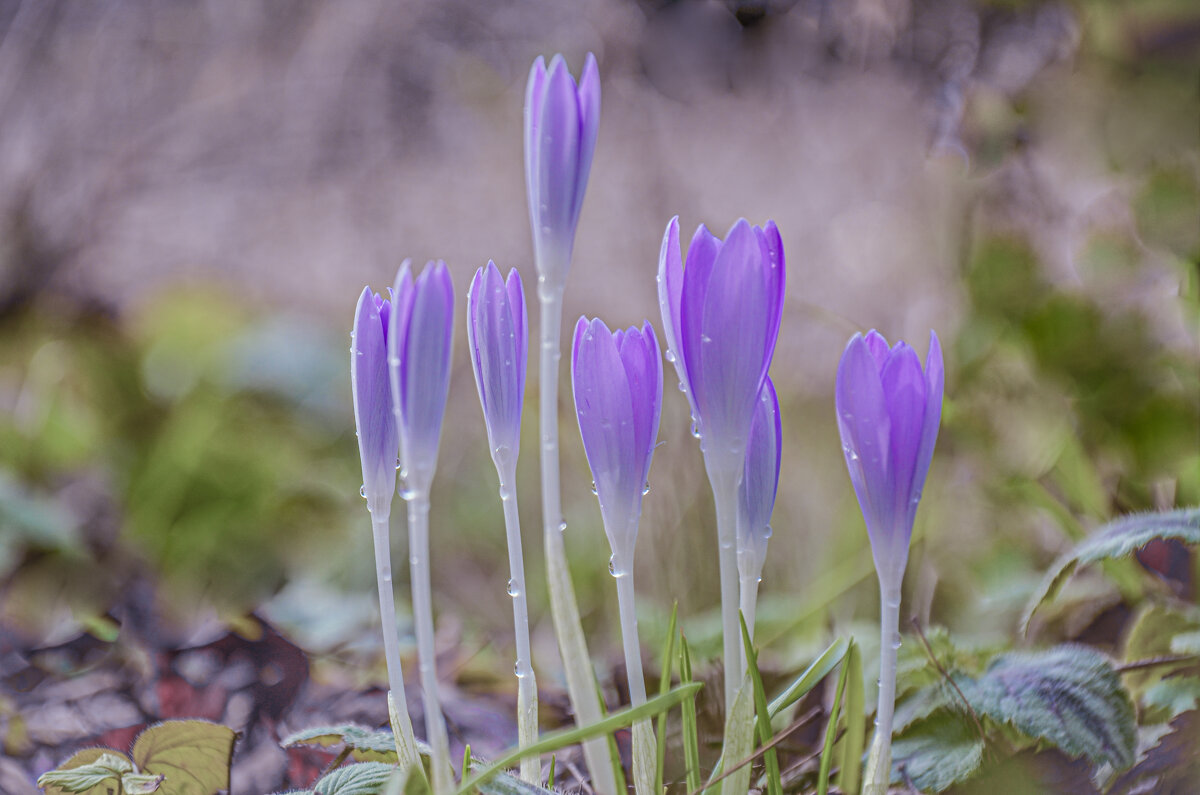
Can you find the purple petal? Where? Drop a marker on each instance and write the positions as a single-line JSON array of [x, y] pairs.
[[904, 390], [589, 122], [702, 255], [499, 375], [878, 346], [864, 425], [425, 367], [557, 165], [775, 274], [643, 369], [934, 385], [760, 481], [397, 336], [516, 307], [534, 97], [377, 437]]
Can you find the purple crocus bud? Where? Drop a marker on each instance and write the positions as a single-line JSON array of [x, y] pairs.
[[721, 317], [760, 482], [420, 335], [617, 378], [369, 383], [888, 412], [560, 136], [498, 335]]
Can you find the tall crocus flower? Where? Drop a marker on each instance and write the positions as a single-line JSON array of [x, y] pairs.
[[419, 340], [560, 136], [617, 377], [721, 319], [888, 413], [561, 120], [378, 442], [756, 497], [498, 336]]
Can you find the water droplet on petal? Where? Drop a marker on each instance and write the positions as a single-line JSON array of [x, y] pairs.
[[612, 566], [517, 669], [594, 490], [512, 589], [670, 355], [696, 429], [562, 526], [362, 491], [646, 488]]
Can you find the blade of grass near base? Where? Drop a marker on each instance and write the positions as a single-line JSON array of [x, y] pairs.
[[664, 684], [850, 767], [831, 734], [691, 736], [614, 752], [770, 759], [560, 739], [811, 676]]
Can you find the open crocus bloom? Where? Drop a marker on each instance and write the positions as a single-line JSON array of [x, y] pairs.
[[721, 319], [420, 336], [560, 136], [888, 413], [617, 378], [498, 336]]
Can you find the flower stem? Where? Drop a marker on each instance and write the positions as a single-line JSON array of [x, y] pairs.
[[879, 761], [577, 663], [527, 701], [644, 745], [747, 603], [435, 723], [406, 747], [724, 482]]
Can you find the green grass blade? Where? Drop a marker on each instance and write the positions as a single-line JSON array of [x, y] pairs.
[[666, 660], [550, 778], [765, 735], [562, 738], [831, 734], [691, 735], [819, 669], [850, 767], [614, 751]]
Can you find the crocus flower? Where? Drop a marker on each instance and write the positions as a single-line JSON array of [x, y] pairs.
[[498, 335], [617, 378], [560, 136], [760, 482], [420, 334], [721, 318], [888, 412], [378, 441]]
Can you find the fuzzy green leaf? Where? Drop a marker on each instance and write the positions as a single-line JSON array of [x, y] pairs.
[[936, 753], [1069, 695], [363, 778], [141, 783], [87, 777], [193, 755], [365, 744], [1116, 539], [507, 784]]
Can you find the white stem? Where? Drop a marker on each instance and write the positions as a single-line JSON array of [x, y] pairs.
[[748, 602], [724, 482], [577, 663], [644, 747], [527, 702], [406, 746], [879, 762], [422, 603]]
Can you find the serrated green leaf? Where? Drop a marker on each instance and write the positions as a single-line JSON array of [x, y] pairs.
[[920, 705], [89, 776], [1172, 696], [86, 758], [194, 755], [1069, 695], [936, 753], [1116, 539], [140, 783], [362, 778], [365, 744], [507, 784]]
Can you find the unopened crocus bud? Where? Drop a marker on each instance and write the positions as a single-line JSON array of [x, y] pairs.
[[377, 436], [888, 412], [420, 336], [498, 335], [721, 318], [560, 136], [760, 482], [617, 379]]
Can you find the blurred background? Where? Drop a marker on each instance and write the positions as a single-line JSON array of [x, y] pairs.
[[192, 196]]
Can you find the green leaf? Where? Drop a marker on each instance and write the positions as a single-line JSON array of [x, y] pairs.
[[936, 753], [850, 767], [690, 732], [765, 735], [920, 705], [140, 783], [665, 664], [508, 784], [194, 755], [1116, 539], [815, 672], [89, 777], [1173, 696], [560, 739], [831, 734], [365, 744], [362, 778], [1153, 634], [1069, 695]]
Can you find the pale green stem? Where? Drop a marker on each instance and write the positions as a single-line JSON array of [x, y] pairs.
[[644, 746], [748, 602], [577, 663], [724, 481], [527, 701], [406, 746], [422, 604], [879, 761]]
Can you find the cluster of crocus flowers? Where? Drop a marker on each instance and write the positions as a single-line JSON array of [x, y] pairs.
[[498, 338], [617, 380], [888, 414], [400, 373]]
